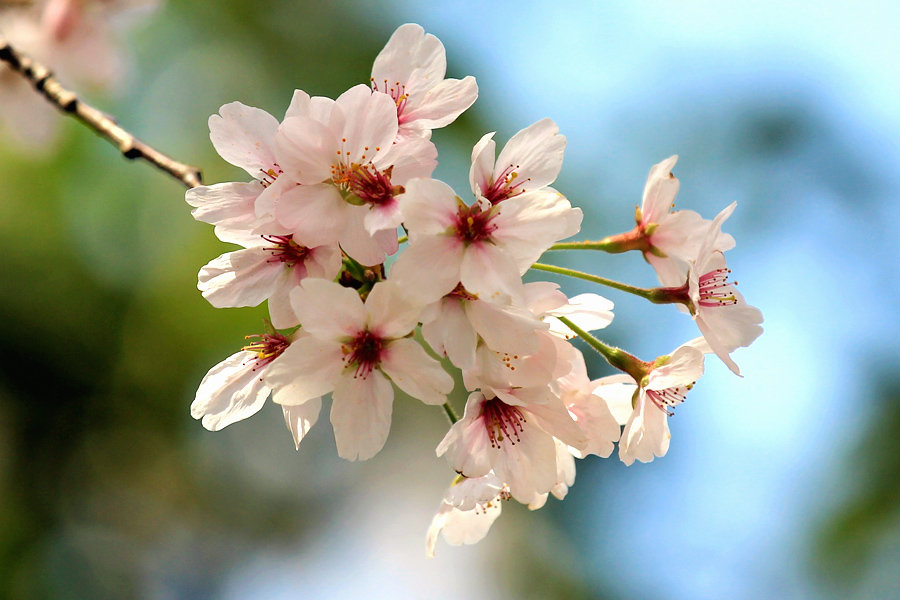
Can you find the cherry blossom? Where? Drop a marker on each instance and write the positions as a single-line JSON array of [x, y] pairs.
[[356, 350], [514, 437], [469, 508], [269, 267], [410, 70], [530, 161], [724, 318], [349, 170], [486, 248], [645, 415]]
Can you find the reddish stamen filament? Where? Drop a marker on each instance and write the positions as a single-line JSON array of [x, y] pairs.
[[268, 347], [668, 397], [473, 224], [366, 183], [269, 177], [285, 250], [715, 289], [502, 422], [503, 187], [364, 351]]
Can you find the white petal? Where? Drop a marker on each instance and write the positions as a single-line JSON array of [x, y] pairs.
[[301, 417], [429, 207], [505, 328], [660, 191], [489, 272], [305, 149], [371, 122], [416, 373], [241, 278], [428, 269], [646, 433], [481, 174], [308, 368], [230, 205], [328, 310], [361, 415], [451, 334], [231, 391], [316, 214], [389, 313], [244, 136], [441, 104], [536, 155], [409, 50], [466, 444], [685, 366]]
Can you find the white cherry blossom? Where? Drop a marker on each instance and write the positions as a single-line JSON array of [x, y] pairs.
[[486, 248], [356, 350], [530, 161], [469, 508], [268, 268], [410, 70], [349, 170], [514, 437]]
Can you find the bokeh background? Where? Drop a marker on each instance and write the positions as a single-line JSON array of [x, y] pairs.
[[783, 484]]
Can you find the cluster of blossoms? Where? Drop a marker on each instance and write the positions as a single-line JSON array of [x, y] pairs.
[[354, 316]]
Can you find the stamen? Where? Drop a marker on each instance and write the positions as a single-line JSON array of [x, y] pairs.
[[502, 421], [473, 224], [268, 347], [503, 187], [715, 289], [363, 352], [669, 397], [285, 250], [269, 176]]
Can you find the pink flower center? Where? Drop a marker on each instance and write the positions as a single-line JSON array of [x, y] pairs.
[[269, 177], [473, 224], [396, 91], [505, 186], [502, 422], [668, 397], [363, 352], [715, 289], [268, 347], [364, 184], [285, 250], [460, 293]]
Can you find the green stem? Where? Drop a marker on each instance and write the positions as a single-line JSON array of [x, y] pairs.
[[649, 294], [451, 414], [617, 357], [604, 245]]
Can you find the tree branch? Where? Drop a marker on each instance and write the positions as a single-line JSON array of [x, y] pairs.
[[68, 102]]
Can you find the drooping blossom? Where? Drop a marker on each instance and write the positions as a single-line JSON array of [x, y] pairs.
[[268, 268], [349, 170], [235, 389], [410, 70], [724, 318], [646, 433], [513, 437], [356, 350], [530, 161], [469, 508], [485, 248]]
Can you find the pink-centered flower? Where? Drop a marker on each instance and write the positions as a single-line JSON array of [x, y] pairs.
[[410, 70], [268, 268], [514, 438], [469, 508], [356, 350], [453, 325], [724, 318], [671, 238], [645, 414], [485, 247], [350, 172], [530, 161], [234, 389], [245, 137]]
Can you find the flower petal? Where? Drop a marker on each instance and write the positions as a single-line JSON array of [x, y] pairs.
[[416, 373], [361, 414], [244, 136]]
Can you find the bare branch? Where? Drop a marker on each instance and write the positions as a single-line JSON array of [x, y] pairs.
[[43, 81]]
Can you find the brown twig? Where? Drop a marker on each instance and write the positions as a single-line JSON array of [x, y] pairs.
[[68, 102]]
